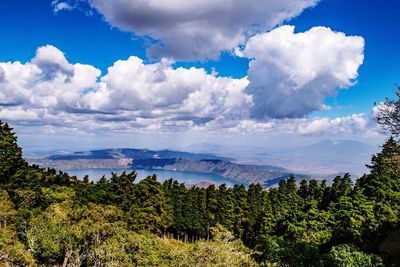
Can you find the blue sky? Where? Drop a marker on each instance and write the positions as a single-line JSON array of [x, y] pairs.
[[100, 35]]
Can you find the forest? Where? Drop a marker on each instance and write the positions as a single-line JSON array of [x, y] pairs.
[[48, 218]]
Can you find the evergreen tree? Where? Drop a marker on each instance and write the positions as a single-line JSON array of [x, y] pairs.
[[10, 153], [122, 189], [148, 209], [254, 214], [240, 210]]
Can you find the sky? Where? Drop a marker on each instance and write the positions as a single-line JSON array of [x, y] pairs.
[[271, 74]]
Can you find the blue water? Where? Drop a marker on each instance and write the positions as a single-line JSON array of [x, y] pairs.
[[189, 178]]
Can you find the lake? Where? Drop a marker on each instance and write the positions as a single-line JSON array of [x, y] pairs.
[[189, 178]]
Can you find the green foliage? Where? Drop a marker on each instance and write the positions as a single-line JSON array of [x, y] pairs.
[[223, 250], [353, 217], [349, 256], [148, 209], [10, 153], [280, 252], [64, 233], [12, 251]]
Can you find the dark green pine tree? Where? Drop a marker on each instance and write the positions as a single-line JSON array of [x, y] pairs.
[[316, 189], [175, 197], [212, 207], [122, 189], [240, 207], [353, 216], [10, 153], [341, 186], [254, 214], [383, 182], [148, 210], [195, 213], [225, 207], [303, 189], [102, 192], [382, 186], [84, 191]]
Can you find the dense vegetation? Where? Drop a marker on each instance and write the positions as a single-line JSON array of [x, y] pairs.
[[49, 218]]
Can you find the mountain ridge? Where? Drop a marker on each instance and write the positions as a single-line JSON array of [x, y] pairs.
[[265, 174]]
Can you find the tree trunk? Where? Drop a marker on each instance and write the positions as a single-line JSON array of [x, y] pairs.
[[66, 258]]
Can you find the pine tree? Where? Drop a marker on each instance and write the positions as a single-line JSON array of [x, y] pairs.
[[148, 210], [10, 153], [383, 182], [122, 187]]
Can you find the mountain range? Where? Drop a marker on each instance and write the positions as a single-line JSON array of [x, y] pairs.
[[266, 175], [303, 162]]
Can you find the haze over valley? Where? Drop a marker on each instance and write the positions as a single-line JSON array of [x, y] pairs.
[[239, 167]]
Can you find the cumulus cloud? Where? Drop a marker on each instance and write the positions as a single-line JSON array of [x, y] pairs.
[[197, 29], [132, 95], [291, 73], [159, 90], [52, 62], [131, 91], [15, 82], [47, 81]]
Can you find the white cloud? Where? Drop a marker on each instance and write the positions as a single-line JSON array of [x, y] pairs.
[[48, 81], [18, 114], [59, 6], [197, 29], [132, 92], [356, 123], [158, 90], [52, 62], [15, 82], [291, 73], [51, 93]]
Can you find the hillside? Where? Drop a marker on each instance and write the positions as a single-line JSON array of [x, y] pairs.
[[266, 175]]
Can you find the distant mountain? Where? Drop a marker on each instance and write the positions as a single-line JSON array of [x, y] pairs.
[[324, 159], [266, 175]]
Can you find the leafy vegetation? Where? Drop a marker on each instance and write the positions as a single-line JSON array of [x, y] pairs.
[[48, 218]]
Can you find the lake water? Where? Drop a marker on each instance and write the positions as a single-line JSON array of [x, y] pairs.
[[189, 178]]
